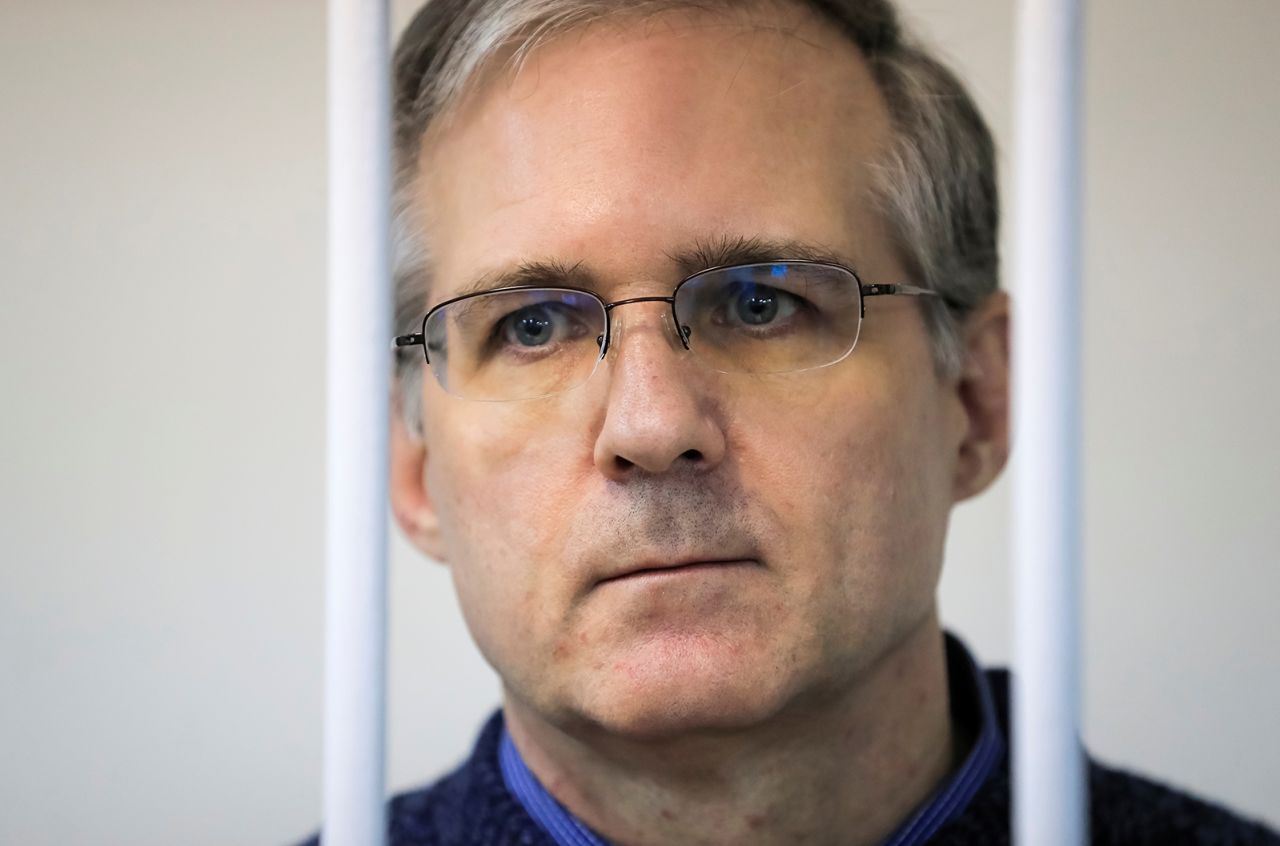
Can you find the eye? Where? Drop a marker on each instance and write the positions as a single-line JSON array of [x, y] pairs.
[[530, 327], [537, 326], [759, 305]]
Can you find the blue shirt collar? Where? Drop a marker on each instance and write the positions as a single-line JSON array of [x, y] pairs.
[[972, 707], [565, 829]]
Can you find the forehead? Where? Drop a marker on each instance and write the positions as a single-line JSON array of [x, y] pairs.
[[618, 142]]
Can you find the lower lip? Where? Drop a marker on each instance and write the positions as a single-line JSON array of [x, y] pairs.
[[700, 568]]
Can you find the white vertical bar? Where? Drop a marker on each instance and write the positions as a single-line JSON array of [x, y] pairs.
[[1049, 800], [359, 326]]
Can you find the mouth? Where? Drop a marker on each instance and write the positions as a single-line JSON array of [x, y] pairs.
[[680, 569]]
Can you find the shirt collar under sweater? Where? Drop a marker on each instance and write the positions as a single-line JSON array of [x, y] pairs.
[[972, 707]]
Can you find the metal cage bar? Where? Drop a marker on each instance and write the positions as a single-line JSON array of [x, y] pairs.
[[1049, 797], [359, 323]]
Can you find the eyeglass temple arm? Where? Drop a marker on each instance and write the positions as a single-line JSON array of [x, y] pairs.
[[890, 290], [878, 290], [414, 340]]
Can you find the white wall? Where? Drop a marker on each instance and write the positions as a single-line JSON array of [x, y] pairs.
[[161, 255]]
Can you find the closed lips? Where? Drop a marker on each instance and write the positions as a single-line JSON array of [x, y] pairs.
[[677, 567]]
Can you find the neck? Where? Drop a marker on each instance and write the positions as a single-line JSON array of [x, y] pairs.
[[848, 772]]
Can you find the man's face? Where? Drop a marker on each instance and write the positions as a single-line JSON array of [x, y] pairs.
[[827, 490]]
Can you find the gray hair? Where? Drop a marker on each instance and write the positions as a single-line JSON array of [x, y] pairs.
[[935, 183]]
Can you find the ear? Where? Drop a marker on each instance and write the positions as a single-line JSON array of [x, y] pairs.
[[983, 393], [410, 500]]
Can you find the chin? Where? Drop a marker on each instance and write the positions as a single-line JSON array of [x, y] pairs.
[[664, 690]]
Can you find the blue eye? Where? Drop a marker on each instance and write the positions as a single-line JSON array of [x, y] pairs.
[[757, 306], [531, 327], [754, 305], [541, 328]]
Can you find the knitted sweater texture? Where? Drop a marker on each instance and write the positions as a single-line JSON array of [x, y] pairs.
[[472, 807]]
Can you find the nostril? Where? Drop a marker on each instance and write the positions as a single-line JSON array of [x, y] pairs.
[[622, 463], [692, 455]]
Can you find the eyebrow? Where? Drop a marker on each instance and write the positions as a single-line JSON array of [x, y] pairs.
[[719, 252], [527, 274], [698, 256]]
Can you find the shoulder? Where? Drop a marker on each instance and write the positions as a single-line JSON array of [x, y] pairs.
[[1127, 809], [470, 806]]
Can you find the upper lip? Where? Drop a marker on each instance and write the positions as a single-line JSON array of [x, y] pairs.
[[669, 564]]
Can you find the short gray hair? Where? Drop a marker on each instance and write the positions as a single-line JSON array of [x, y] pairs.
[[935, 183]]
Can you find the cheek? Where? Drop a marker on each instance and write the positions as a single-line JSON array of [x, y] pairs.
[[896, 499], [854, 475], [504, 479], [819, 445], [500, 473]]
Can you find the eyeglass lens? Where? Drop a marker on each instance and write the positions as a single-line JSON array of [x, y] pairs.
[[527, 343], [770, 318], [515, 344]]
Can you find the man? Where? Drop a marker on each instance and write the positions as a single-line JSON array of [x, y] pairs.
[[701, 341]]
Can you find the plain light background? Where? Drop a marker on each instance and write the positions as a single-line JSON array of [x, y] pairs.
[[162, 255]]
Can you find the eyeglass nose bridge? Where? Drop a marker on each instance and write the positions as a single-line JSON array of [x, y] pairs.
[[682, 332]]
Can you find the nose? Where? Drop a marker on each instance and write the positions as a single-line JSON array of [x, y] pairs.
[[660, 415]]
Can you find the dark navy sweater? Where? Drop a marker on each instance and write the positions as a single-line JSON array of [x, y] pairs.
[[472, 807]]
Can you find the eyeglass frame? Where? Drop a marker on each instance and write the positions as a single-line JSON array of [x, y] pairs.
[[874, 289]]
